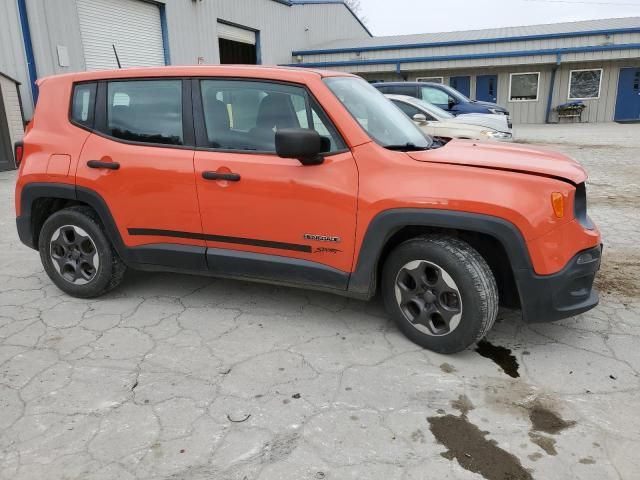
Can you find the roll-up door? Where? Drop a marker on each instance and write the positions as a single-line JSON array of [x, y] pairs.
[[132, 26], [236, 34]]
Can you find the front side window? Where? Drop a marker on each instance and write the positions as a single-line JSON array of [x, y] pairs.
[[434, 111], [584, 84], [435, 96], [82, 108], [245, 115], [384, 123], [148, 111], [409, 110], [524, 87]]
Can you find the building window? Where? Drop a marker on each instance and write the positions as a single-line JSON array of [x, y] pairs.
[[584, 84], [524, 87], [430, 79]]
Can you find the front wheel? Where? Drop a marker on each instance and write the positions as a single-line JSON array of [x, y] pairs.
[[440, 292], [77, 255]]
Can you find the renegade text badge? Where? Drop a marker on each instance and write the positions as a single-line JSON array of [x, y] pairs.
[[321, 238]]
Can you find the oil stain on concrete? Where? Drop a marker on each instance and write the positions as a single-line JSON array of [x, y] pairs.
[[501, 356], [547, 421], [467, 444]]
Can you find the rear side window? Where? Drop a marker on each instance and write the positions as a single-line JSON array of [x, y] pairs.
[[408, 90], [83, 105], [148, 111]]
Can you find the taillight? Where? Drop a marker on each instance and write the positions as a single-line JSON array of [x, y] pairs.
[[19, 153]]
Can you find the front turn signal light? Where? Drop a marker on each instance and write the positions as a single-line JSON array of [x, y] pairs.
[[557, 202]]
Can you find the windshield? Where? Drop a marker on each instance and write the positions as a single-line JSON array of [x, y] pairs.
[[380, 118]]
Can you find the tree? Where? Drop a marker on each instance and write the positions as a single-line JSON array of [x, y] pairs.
[[356, 7]]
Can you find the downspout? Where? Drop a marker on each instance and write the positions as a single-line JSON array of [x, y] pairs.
[[399, 72], [28, 49], [552, 86]]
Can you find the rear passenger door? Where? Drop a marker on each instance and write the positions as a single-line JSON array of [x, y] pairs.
[[140, 159], [262, 215]]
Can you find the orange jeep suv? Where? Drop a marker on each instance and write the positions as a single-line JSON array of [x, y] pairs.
[[302, 178]]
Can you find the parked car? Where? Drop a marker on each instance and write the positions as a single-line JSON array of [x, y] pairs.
[[211, 170], [436, 122], [443, 96]]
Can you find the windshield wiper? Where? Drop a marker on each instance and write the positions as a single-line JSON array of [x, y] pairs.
[[407, 147]]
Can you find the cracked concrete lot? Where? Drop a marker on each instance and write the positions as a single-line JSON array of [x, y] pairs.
[[183, 377]]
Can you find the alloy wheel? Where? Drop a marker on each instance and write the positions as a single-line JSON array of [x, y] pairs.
[[428, 297], [74, 254]]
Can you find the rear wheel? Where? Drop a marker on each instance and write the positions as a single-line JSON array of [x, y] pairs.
[[441, 293], [77, 255]]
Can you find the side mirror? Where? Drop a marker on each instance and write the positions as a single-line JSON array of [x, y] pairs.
[[420, 118], [302, 144], [452, 103]]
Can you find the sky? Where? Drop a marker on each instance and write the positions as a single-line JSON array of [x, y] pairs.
[[398, 17]]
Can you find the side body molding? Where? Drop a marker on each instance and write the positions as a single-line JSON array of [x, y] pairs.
[[384, 225]]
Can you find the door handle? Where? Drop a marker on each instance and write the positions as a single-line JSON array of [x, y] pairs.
[[230, 177], [101, 164]]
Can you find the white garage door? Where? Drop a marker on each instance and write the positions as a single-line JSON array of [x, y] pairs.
[[237, 34], [133, 26]]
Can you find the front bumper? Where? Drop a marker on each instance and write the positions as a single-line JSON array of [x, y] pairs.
[[546, 298]]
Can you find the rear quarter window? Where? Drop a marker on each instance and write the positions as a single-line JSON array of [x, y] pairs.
[[83, 104]]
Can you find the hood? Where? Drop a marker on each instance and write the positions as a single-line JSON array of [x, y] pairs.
[[493, 122], [505, 157], [489, 105]]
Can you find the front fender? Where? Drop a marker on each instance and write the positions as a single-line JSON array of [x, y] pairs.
[[362, 282]]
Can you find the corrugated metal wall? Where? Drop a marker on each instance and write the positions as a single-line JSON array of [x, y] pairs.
[[486, 48], [601, 109], [191, 28], [12, 57]]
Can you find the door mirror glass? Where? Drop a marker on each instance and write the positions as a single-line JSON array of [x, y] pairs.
[[303, 144], [452, 102], [420, 118]]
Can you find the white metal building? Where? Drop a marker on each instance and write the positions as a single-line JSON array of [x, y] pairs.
[[530, 70], [45, 37]]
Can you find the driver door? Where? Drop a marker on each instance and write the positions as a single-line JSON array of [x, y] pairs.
[[262, 215]]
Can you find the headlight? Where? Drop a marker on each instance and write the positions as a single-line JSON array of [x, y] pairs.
[[495, 135], [495, 111]]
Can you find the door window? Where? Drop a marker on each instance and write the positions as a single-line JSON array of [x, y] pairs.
[[148, 111], [410, 110], [245, 115], [435, 96]]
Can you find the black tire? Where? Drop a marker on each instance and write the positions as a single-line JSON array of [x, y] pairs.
[[425, 307], [108, 269]]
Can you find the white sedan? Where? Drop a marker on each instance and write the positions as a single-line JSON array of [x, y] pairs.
[[435, 122]]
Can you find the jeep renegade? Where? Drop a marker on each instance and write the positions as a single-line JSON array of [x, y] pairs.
[[302, 178]]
